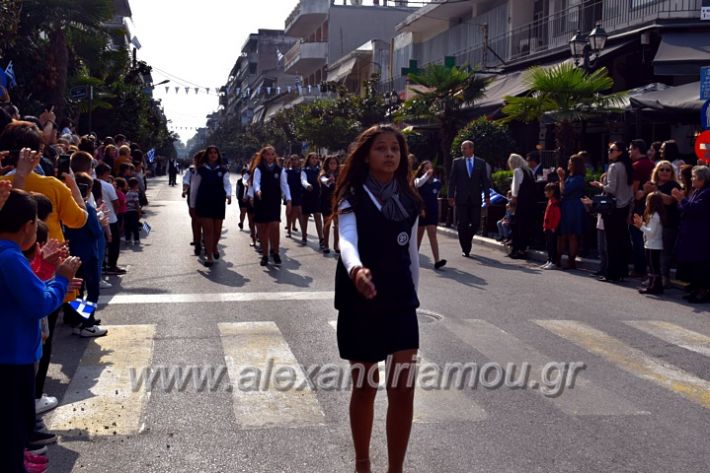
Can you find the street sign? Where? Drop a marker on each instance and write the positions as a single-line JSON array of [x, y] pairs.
[[705, 83], [705, 116], [79, 92], [702, 146]]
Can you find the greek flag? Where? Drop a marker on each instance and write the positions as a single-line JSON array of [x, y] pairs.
[[146, 228], [10, 74], [151, 155], [83, 307]]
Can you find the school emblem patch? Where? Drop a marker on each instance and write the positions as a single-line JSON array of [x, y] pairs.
[[403, 238], [276, 175]]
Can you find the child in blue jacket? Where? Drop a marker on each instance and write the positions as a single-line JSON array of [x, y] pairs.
[[25, 300]]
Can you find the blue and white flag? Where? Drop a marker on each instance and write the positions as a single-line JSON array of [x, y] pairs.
[[146, 228], [151, 155], [83, 307], [10, 74]]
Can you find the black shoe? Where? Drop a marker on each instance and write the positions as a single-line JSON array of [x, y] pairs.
[[326, 251], [198, 250], [115, 271], [192, 243], [216, 255], [241, 226], [466, 254], [518, 255], [276, 258], [208, 264], [440, 264], [264, 261]]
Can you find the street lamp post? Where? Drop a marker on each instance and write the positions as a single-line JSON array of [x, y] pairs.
[[588, 47]]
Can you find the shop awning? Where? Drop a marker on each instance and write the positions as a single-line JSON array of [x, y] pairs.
[[679, 99], [510, 84], [343, 70], [682, 54]]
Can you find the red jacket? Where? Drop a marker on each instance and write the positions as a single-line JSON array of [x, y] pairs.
[[552, 215]]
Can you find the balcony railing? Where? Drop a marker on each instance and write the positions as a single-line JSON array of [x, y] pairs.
[[317, 9], [305, 56], [553, 33]]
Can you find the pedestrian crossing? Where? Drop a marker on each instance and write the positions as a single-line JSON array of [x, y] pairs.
[[99, 400]]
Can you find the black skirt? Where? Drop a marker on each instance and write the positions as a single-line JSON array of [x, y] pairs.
[[371, 337], [214, 210], [265, 211]]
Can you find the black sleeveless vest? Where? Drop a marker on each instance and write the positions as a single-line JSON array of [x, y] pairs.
[[270, 184], [384, 249]]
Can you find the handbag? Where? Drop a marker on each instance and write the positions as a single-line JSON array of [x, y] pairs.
[[603, 204]]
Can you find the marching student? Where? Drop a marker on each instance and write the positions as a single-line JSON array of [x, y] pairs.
[[429, 187], [241, 194], [293, 177], [26, 300], [327, 178], [186, 186], [376, 286], [270, 186], [311, 198]]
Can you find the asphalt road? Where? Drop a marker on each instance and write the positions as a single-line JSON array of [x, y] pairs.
[[640, 404]]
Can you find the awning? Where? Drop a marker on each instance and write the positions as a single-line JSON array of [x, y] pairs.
[[342, 71], [679, 99], [682, 54], [509, 84]]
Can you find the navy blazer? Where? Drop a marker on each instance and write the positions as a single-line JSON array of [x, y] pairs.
[[467, 190]]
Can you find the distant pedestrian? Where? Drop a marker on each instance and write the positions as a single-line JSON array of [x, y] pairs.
[[376, 286], [550, 225], [327, 178], [311, 198], [429, 187], [172, 171]]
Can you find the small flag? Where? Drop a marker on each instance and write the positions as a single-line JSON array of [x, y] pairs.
[[83, 307], [187, 90], [197, 90], [145, 228], [278, 90], [177, 89], [279, 55], [10, 74], [268, 90], [208, 90], [151, 155], [167, 89]]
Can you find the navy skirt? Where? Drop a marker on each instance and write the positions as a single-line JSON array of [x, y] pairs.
[[371, 337]]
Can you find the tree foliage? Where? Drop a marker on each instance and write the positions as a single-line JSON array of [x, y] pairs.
[[493, 141]]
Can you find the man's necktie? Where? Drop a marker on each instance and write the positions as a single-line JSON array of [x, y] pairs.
[[469, 166]]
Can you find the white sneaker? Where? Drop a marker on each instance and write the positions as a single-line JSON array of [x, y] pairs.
[[93, 331], [551, 266], [45, 404], [103, 284], [546, 265]]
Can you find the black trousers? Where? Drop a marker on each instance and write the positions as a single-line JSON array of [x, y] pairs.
[[17, 415], [618, 243], [114, 248], [43, 364], [653, 257], [131, 225], [522, 228], [468, 220], [551, 245]]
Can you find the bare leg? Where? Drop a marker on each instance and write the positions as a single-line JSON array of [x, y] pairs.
[[217, 235], [263, 229], [208, 232], [318, 218], [196, 228], [326, 231], [274, 236], [296, 217], [304, 226], [420, 236], [242, 214], [336, 236], [431, 233], [252, 227], [365, 379], [401, 370]]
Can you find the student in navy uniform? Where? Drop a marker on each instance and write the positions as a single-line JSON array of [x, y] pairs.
[[241, 194], [211, 187], [429, 187], [311, 198], [327, 178], [194, 221], [376, 286], [293, 177], [270, 186]]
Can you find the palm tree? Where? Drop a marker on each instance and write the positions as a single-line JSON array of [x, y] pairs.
[[444, 93], [565, 93]]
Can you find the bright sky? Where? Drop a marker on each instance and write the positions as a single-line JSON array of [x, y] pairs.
[[195, 43]]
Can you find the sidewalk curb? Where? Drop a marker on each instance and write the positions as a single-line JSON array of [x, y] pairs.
[[533, 255]]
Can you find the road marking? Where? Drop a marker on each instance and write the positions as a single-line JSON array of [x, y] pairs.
[[632, 360], [216, 297], [99, 400], [585, 398], [674, 334], [249, 346], [436, 405]]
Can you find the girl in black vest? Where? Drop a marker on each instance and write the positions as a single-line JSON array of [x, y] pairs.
[[212, 187], [270, 186], [327, 178], [311, 198], [429, 187], [186, 185], [293, 177], [376, 286]]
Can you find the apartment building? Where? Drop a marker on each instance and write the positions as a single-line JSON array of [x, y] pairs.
[[120, 27], [258, 69], [649, 41]]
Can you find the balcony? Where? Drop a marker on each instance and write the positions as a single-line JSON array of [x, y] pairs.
[[304, 58], [306, 17]]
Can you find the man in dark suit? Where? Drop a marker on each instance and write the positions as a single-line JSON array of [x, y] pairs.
[[469, 179]]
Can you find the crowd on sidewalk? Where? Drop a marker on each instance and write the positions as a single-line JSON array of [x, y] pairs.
[[66, 203]]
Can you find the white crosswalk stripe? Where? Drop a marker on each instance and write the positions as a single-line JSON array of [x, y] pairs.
[[584, 398], [99, 400], [674, 334], [250, 345], [632, 360]]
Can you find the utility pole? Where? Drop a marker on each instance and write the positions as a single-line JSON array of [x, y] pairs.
[[91, 105]]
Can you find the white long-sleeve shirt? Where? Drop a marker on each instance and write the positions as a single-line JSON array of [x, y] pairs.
[[653, 233], [196, 179], [420, 181], [283, 181], [518, 177], [349, 253]]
